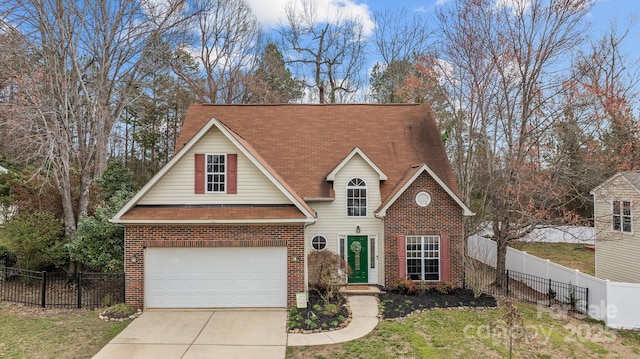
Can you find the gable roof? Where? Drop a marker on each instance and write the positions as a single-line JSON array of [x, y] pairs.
[[356, 151], [151, 214], [303, 144], [632, 177], [408, 179]]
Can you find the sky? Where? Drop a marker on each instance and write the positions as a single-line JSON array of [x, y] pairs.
[[270, 12]]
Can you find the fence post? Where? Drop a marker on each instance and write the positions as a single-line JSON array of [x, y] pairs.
[[508, 282], [586, 304], [79, 283], [550, 292], [43, 299]]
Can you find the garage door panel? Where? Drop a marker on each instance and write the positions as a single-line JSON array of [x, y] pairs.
[[215, 277]]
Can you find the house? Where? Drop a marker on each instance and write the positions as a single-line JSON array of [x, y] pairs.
[[617, 227], [251, 189]]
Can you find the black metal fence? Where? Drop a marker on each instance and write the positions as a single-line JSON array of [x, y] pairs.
[[530, 288], [61, 290]]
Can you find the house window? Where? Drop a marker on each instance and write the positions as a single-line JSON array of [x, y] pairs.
[[356, 198], [423, 257], [622, 216], [319, 243], [216, 173]]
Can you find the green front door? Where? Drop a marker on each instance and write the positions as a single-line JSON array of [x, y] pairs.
[[357, 258]]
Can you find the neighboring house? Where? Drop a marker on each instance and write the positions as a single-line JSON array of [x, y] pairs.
[[252, 189], [618, 228]]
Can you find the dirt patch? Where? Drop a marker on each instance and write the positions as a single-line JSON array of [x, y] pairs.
[[397, 305]]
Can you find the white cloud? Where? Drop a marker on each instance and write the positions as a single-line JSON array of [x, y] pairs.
[[271, 13], [441, 2]]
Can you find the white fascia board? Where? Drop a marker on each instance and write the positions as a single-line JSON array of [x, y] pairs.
[[332, 175], [424, 168]]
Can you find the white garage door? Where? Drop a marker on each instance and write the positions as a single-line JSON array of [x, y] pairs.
[[215, 277]]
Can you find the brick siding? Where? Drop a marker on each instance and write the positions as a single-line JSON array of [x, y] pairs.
[[443, 217], [138, 237]]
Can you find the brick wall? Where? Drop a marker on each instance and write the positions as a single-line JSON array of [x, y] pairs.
[[443, 217], [138, 237]]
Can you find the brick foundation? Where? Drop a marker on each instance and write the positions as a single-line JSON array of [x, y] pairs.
[[138, 237], [443, 217]]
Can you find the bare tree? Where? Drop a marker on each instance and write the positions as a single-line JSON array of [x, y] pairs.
[[332, 52], [400, 36], [227, 46], [507, 58], [87, 58]]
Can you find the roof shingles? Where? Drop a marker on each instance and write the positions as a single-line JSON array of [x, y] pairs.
[[303, 143]]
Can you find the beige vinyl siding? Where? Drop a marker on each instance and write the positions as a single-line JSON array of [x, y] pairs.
[[617, 253], [177, 186], [332, 218]]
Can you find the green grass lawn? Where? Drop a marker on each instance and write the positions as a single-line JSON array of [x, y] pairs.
[[27, 332], [569, 255], [480, 333]]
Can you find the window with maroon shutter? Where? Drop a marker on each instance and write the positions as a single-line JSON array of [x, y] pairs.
[[423, 257], [216, 173]]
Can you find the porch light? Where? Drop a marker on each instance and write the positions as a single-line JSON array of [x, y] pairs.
[[357, 229], [294, 258], [134, 258]]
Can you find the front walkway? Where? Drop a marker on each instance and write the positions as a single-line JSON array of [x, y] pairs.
[[364, 318]]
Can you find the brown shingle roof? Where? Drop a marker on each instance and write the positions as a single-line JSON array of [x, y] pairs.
[[180, 213], [303, 143]]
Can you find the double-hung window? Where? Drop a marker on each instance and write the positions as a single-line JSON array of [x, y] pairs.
[[621, 220], [423, 257], [357, 198], [216, 173]]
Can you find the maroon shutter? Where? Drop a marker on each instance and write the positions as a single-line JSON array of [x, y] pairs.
[[402, 256], [445, 262], [199, 173], [232, 173]]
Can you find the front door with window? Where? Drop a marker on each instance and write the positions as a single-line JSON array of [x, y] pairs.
[[357, 255]]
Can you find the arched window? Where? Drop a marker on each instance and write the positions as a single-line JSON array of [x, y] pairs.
[[356, 198]]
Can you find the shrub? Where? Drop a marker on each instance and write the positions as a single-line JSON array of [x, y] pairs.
[[405, 286], [34, 239], [98, 243], [445, 288], [327, 272]]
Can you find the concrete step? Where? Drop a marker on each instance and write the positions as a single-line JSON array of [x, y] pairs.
[[361, 289]]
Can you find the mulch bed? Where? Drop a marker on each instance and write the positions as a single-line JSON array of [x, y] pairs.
[[398, 305], [315, 318]]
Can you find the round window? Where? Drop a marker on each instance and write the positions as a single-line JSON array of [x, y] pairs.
[[423, 199], [319, 243]]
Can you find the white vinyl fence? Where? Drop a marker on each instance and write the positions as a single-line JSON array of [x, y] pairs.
[[616, 303]]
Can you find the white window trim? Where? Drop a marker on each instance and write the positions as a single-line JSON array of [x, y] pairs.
[[207, 173], [366, 198], [622, 216], [422, 237]]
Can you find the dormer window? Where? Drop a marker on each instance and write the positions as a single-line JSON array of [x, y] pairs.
[[356, 198]]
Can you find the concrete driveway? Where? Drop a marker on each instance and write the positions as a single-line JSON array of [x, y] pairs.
[[225, 333]]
